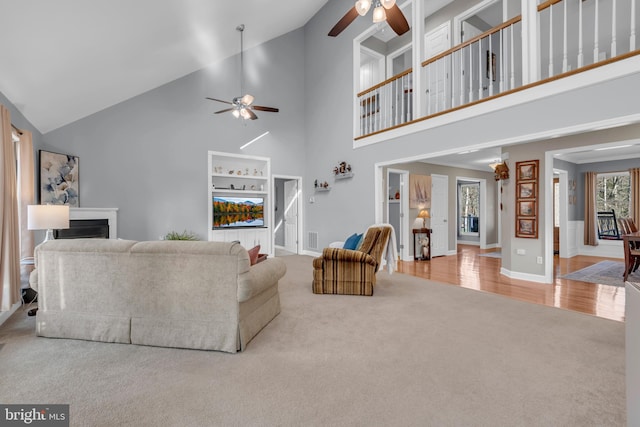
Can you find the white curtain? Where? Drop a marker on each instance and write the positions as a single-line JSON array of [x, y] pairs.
[[27, 197], [9, 226]]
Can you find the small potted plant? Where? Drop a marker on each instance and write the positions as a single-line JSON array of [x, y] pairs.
[[185, 235]]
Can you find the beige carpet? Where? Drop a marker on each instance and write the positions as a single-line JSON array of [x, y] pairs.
[[417, 353]]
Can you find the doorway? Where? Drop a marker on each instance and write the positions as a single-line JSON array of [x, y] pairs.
[[397, 203], [287, 214]]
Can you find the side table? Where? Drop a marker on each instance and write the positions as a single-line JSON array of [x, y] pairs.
[[422, 244]]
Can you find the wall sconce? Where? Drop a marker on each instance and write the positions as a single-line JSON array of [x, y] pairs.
[[500, 170]]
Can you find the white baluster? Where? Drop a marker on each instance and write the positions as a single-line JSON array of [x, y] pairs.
[[551, 41], [632, 36], [452, 70], [565, 58], [403, 117], [596, 47], [513, 59], [490, 65], [502, 61], [470, 73], [480, 81], [613, 29], [461, 76], [580, 42]]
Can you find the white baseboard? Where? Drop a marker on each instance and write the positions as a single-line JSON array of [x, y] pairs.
[[5, 315], [311, 253], [523, 276]]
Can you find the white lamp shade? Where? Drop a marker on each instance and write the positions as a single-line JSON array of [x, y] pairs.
[[362, 6], [379, 14], [47, 217], [388, 4]]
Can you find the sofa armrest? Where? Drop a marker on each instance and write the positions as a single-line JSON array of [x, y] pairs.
[[347, 255], [260, 277]]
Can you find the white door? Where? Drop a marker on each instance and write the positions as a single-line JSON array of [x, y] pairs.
[[439, 215], [437, 41], [291, 215]]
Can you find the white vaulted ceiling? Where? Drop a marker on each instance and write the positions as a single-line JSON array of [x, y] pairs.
[[66, 59]]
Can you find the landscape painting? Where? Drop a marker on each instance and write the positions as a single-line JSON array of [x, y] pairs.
[[230, 212]]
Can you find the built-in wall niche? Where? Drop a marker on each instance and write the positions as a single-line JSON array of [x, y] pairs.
[[239, 200]]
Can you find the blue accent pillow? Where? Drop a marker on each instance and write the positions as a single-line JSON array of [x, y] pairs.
[[352, 241]]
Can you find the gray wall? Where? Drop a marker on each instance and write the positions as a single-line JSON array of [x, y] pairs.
[[422, 168], [329, 74], [147, 156], [570, 168]]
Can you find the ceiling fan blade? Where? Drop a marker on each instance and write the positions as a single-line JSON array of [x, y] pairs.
[[223, 111], [397, 21], [344, 22], [261, 108], [252, 115], [219, 100]]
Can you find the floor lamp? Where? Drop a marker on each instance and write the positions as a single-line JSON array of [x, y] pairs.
[[47, 217]]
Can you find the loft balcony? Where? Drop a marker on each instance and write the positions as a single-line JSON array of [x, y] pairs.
[[500, 47]]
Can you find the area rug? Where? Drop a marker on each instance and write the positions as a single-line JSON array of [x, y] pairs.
[[494, 254], [604, 273]]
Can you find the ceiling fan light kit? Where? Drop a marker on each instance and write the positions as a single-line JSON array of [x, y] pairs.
[[241, 105], [363, 6], [384, 10], [379, 15]]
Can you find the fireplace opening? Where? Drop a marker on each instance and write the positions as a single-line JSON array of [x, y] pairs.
[[84, 228]]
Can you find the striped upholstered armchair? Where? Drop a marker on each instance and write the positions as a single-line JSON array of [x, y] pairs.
[[351, 272]]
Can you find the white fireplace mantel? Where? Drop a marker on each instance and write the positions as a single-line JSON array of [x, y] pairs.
[[110, 214]]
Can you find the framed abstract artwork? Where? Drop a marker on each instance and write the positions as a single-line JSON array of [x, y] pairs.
[[59, 179], [419, 191]]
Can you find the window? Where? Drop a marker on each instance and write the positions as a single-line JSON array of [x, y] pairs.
[[612, 193], [469, 207]]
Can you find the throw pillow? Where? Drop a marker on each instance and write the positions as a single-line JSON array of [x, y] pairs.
[[253, 254], [351, 242], [360, 239]]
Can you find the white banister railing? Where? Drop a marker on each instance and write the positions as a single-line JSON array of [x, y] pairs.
[[491, 64], [481, 67], [387, 104], [594, 26]]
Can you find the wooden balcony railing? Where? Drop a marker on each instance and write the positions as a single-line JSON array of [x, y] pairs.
[[573, 36], [387, 104]]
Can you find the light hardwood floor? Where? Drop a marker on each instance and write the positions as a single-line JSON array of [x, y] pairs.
[[469, 270]]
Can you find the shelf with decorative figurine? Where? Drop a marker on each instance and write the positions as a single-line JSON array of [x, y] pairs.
[[321, 186], [342, 171]]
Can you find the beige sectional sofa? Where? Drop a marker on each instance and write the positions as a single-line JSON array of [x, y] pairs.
[[199, 295]]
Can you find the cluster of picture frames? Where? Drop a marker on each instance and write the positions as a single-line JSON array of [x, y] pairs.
[[527, 199]]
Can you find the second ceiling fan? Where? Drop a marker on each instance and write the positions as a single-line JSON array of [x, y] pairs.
[[384, 10], [242, 106]]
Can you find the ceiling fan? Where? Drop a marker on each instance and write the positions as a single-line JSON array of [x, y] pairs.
[[241, 106], [384, 10]]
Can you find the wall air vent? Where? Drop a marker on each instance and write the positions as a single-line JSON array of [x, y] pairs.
[[313, 240]]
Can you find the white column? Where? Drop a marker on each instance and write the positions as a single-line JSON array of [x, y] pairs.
[[613, 29], [565, 59], [417, 39], [530, 50], [632, 37], [580, 38]]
